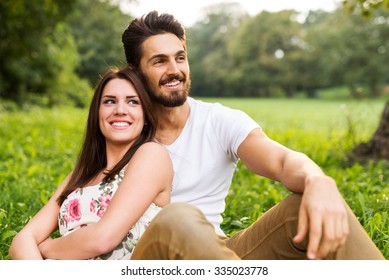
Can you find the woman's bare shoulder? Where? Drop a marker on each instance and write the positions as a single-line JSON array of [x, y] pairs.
[[152, 147]]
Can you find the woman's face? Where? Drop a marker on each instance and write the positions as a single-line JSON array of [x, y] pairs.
[[121, 116]]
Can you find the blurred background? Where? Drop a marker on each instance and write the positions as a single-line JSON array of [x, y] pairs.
[[52, 52]]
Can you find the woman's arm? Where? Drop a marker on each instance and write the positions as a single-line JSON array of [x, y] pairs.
[[45, 222], [148, 178]]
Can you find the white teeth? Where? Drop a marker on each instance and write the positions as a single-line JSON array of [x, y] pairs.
[[121, 124], [172, 84]]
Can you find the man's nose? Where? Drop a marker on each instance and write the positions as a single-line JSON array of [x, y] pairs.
[[172, 68]]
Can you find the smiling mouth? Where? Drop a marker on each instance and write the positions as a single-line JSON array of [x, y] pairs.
[[173, 83], [120, 124]]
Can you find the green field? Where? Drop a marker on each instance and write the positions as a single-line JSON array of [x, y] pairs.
[[38, 148]]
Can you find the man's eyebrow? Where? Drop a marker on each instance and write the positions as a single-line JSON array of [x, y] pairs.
[[157, 56], [160, 55]]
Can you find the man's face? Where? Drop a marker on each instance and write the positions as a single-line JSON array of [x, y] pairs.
[[165, 67]]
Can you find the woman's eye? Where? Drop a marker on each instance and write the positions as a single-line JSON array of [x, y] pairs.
[[134, 102], [109, 101]]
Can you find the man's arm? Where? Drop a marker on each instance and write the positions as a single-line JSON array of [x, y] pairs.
[[322, 212]]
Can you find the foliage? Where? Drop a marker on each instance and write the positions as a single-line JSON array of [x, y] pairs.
[[365, 7], [38, 149], [207, 51], [285, 53], [52, 52], [26, 46], [266, 58], [343, 50], [97, 27]]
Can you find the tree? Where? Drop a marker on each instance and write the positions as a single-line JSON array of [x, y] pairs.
[[207, 51], [49, 49], [26, 28], [365, 7], [378, 146], [97, 27], [310, 61], [264, 52], [351, 42]]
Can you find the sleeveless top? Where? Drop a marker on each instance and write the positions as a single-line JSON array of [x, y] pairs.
[[87, 205]]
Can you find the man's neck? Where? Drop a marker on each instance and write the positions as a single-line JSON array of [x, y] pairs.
[[171, 121]]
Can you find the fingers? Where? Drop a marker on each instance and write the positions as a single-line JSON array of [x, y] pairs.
[[323, 216], [328, 242], [315, 236], [302, 227], [327, 235]]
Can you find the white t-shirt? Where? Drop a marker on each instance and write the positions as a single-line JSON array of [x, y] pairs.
[[205, 156]]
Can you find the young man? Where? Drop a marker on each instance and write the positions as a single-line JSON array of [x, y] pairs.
[[205, 141]]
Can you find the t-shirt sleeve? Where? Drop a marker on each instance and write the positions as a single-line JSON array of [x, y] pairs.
[[231, 128]]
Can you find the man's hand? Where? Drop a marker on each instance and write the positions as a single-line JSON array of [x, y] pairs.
[[323, 215]]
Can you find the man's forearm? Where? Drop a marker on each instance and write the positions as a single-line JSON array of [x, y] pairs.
[[298, 171]]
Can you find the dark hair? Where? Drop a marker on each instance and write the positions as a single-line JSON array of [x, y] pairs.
[[142, 28], [92, 158]]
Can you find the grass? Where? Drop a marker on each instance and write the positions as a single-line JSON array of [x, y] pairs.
[[38, 149]]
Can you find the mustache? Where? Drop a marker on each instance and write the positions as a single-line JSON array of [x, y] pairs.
[[173, 77]]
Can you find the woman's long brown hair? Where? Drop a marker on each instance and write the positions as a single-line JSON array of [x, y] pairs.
[[92, 158]]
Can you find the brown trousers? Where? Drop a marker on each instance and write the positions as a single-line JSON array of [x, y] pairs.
[[181, 232]]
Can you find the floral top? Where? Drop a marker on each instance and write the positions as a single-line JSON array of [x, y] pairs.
[[87, 205]]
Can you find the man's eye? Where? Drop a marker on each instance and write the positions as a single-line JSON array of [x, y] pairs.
[[159, 61]]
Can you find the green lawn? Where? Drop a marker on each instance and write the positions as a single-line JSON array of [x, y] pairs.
[[38, 149]]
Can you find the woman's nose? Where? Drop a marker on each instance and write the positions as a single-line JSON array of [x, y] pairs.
[[120, 108]]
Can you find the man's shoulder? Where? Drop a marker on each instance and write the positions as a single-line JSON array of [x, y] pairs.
[[198, 104], [217, 113]]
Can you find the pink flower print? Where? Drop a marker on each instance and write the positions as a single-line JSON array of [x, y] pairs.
[[73, 209], [105, 200], [66, 219], [92, 205], [101, 212]]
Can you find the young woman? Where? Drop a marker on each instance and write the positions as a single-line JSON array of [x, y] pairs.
[[104, 205]]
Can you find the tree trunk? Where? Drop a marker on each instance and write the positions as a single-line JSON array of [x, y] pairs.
[[378, 146], [311, 93], [289, 91], [374, 90]]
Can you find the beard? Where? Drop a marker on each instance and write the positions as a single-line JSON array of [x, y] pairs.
[[172, 98], [176, 98]]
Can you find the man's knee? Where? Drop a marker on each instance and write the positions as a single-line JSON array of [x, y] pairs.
[[178, 216], [290, 206]]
